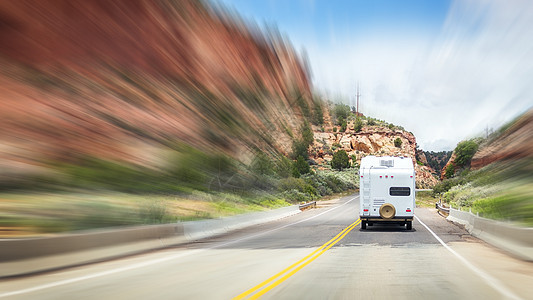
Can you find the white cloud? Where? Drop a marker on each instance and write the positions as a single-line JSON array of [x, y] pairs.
[[476, 73]]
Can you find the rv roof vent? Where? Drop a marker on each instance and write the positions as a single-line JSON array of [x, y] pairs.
[[387, 163]]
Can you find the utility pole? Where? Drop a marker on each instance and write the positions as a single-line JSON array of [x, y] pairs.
[[357, 97]]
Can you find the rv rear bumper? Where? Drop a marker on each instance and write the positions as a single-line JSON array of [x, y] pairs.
[[379, 219]]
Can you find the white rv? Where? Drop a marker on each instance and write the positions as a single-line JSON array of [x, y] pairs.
[[387, 190]]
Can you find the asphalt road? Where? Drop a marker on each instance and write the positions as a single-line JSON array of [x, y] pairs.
[[317, 254]]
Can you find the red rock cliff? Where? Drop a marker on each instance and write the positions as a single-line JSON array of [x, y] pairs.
[[513, 143], [121, 79]]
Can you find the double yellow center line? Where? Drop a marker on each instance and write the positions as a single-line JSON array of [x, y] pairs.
[[275, 280]]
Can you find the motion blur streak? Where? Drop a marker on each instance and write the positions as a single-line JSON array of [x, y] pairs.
[[130, 81], [144, 97]]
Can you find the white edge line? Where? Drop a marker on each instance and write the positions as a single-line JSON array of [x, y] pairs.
[[493, 282], [155, 261]]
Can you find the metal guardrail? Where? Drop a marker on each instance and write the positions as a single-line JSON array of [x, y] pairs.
[[438, 205], [30, 255], [307, 205]]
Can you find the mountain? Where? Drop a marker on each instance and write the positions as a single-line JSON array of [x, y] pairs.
[[124, 80]]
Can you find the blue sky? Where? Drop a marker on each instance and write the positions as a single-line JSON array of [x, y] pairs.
[[444, 70]]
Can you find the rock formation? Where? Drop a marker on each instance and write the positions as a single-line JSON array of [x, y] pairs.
[[371, 140]]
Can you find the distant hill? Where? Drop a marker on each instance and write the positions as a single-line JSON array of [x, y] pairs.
[[437, 160]]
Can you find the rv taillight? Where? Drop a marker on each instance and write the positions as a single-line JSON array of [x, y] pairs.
[[391, 176], [380, 176], [362, 176], [408, 210], [386, 176], [411, 176], [365, 209]]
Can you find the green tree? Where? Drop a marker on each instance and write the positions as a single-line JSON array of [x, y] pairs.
[[318, 117], [307, 134], [340, 160], [299, 148], [262, 164], [300, 167], [283, 167], [464, 152], [398, 142], [343, 125], [358, 124], [342, 111], [450, 171]]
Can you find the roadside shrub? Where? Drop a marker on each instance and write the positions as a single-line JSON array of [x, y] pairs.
[[446, 185], [295, 196], [297, 190], [152, 211]]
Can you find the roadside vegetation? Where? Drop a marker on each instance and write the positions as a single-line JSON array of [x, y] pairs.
[[502, 190], [425, 199], [90, 192], [103, 197]]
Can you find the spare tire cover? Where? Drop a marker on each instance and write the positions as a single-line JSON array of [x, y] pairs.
[[387, 211]]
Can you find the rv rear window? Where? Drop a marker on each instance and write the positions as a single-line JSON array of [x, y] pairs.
[[400, 191]]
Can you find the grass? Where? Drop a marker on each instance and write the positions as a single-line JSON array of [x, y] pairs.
[[40, 213], [45, 213], [101, 194], [501, 191], [425, 199]]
